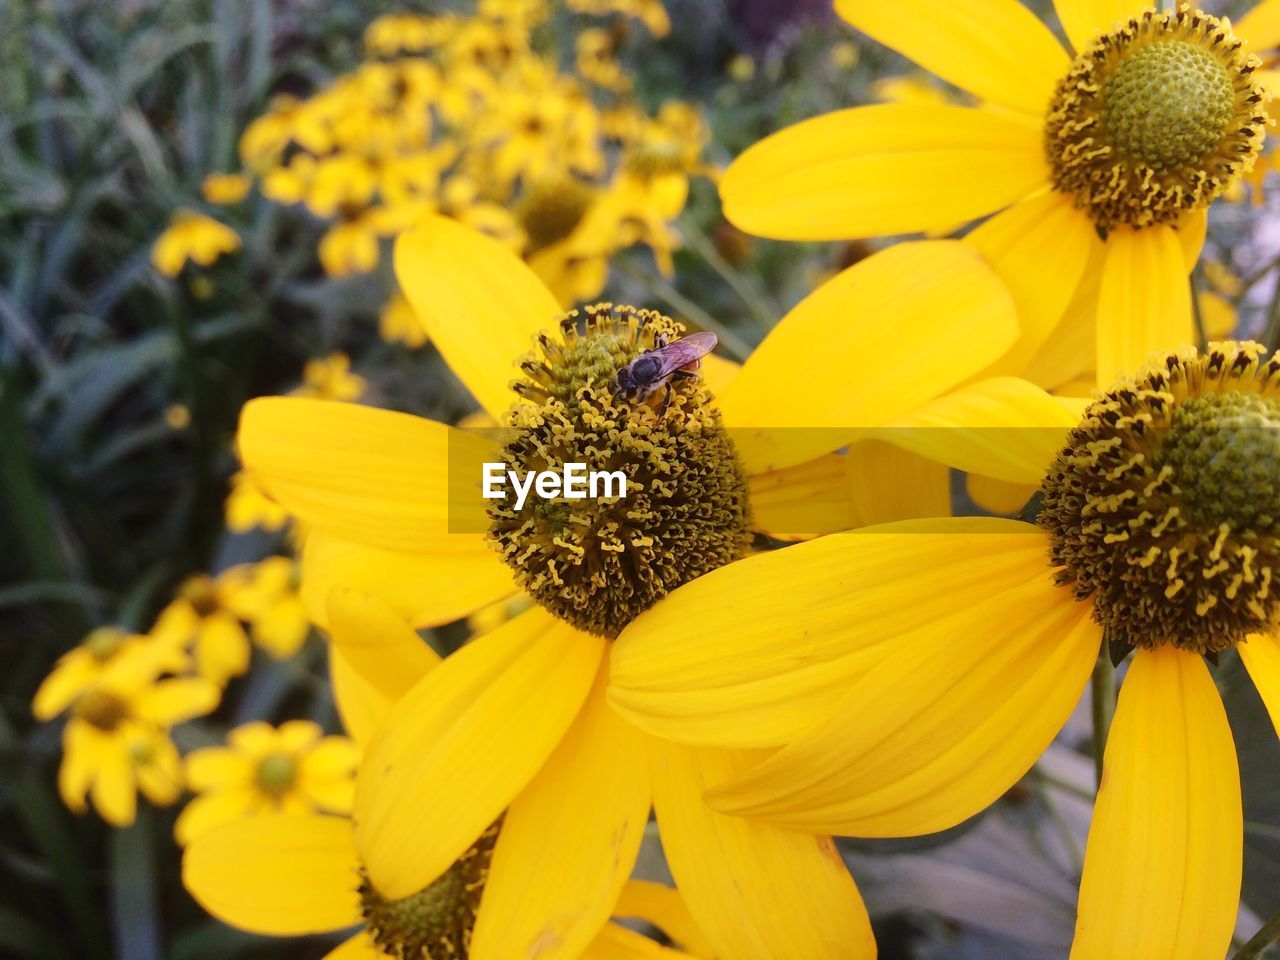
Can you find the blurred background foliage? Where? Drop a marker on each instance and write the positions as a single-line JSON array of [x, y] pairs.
[[120, 389]]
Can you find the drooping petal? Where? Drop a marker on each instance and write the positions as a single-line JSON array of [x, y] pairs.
[[888, 483], [755, 653], [459, 746], [1082, 19], [1144, 300], [948, 720], [277, 874], [176, 700], [206, 812], [883, 170], [1163, 863], [836, 364], [378, 642], [616, 942], [568, 841], [1191, 235], [365, 475], [662, 906], [72, 675], [480, 304], [1003, 427], [756, 892], [450, 578], [998, 50], [996, 496], [361, 705], [1261, 656], [1040, 249]]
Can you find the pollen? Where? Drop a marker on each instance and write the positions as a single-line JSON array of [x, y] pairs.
[[436, 922], [598, 563], [1164, 506], [1156, 119]]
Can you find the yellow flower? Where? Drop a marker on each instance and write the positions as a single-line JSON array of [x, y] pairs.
[[248, 507], [398, 324], [116, 741], [265, 594], [225, 188], [202, 618], [652, 13], [104, 650], [195, 237], [517, 721], [1108, 211], [598, 62], [302, 873], [349, 246], [292, 769], [951, 652], [330, 378]]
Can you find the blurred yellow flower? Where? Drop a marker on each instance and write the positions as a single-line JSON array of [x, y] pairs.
[[104, 650], [652, 13], [330, 378], [265, 594], [248, 507], [116, 741], [293, 769], [741, 68], [202, 618], [195, 237], [349, 246], [225, 188], [397, 323], [844, 55]]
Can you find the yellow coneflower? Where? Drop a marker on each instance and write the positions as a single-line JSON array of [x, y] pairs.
[[330, 378], [225, 188], [955, 650], [302, 873], [293, 769], [1098, 164], [514, 726], [248, 507], [195, 237]]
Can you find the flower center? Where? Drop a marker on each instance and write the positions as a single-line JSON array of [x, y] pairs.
[[1164, 506], [436, 922], [276, 773], [1155, 119], [598, 562], [551, 210], [101, 709], [199, 591], [103, 643]]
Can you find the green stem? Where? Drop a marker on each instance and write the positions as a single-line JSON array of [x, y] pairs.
[[748, 291], [1257, 945], [1104, 704], [1271, 335], [1202, 336], [677, 301]]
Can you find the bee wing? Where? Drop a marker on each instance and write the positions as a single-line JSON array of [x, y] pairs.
[[685, 352]]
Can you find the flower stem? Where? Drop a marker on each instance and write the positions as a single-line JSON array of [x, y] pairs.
[[1104, 705], [1257, 945]]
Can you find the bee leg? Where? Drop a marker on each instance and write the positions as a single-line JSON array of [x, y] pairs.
[[666, 400]]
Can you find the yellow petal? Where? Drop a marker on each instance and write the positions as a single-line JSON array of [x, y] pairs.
[[71, 676], [1260, 27], [359, 947], [806, 500], [1261, 656], [949, 719], [1144, 301], [1163, 861], [1002, 427], [756, 892], [480, 304], [205, 812], [378, 642], [361, 705], [996, 496], [461, 744], [277, 874], [755, 653], [883, 170], [458, 575], [998, 50], [836, 362], [114, 790], [215, 768], [1083, 19], [1040, 249], [366, 475], [568, 842], [177, 700], [222, 648], [79, 754], [888, 483], [718, 372], [615, 942], [662, 906], [1191, 235]]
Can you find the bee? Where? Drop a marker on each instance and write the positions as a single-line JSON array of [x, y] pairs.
[[654, 369]]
